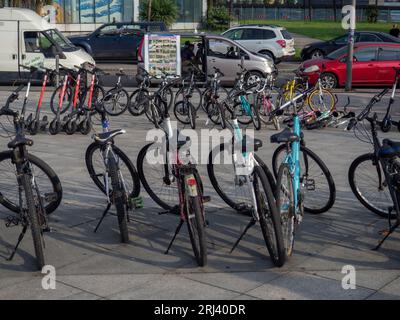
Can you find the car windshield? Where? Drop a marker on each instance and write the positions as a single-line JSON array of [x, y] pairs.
[[59, 39], [336, 54]]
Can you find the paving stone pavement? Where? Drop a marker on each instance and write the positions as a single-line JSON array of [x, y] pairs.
[[97, 266]]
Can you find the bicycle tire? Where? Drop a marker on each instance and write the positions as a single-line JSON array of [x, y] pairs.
[[326, 174], [221, 190], [40, 165], [119, 198], [267, 215], [157, 196], [179, 96], [286, 209], [255, 117], [326, 92], [33, 218], [133, 106], [134, 183], [110, 95], [206, 96], [196, 225], [370, 157]]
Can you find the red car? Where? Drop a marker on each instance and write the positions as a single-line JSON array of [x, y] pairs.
[[374, 64]]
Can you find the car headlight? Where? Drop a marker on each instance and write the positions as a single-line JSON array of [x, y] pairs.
[[311, 69]]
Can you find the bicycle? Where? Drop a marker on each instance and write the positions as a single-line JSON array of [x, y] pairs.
[[33, 207], [253, 191], [114, 174], [214, 90], [265, 103], [116, 100], [189, 85], [185, 111], [181, 180], [295, 177], [382, 168]]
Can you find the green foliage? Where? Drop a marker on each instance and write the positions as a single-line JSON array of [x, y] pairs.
[[161, 10], [372, 13], [218, 18]]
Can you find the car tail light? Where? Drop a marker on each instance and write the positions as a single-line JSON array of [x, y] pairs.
[[282, 43], [140, 56]]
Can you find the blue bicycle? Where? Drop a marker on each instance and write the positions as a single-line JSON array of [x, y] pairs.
[[304, 182]]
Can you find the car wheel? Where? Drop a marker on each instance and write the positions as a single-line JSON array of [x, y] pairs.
[[268, 54], [328, 81], [253, 77], [317, 54]]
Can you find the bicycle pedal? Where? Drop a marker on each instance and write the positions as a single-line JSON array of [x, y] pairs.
[[11, 222], [136, 202], [310, 184], [206, 199]]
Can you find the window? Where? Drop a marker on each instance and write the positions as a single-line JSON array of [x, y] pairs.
[[268, 34], [234, 34], [341, 40], [108, 29], [389, 54], [368, 37], [253, 34], [36, 42], [223, 49], [286, 35], [365, 54]]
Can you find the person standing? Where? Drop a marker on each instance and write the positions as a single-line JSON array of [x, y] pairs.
[[395, 31]]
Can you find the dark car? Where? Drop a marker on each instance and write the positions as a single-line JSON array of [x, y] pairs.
[[116, 41], [318, 50]]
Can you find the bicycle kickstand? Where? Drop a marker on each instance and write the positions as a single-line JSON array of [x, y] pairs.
[[387, 234], [103, 216], [251, 223], [21, 236], [174, 237]]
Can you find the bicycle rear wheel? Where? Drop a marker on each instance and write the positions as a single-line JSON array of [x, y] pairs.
[[138, 102], [269, 217], [195, 219], [320, 190], [66, 102], [196, 98], [45, 177]]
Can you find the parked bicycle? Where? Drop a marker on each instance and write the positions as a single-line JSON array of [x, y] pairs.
[[30, 204], [174, 185]]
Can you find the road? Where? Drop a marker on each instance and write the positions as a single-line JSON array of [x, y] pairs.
[[97, 266]]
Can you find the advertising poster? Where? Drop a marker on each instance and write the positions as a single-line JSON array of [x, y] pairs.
[[162, 54]]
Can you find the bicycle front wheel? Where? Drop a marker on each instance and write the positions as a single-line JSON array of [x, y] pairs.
[[138, 102], [116, 102], [196, 98], [33, 218], [45, 178], [285, 204], [321, 101], [269, 217], [119, 198], [319, 187], [368, 183], [66, 101], [195, 220], [96, 169]]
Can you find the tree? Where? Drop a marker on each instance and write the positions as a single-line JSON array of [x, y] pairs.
[[158, 10]]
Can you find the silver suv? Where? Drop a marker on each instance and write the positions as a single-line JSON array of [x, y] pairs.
[[273, 41]]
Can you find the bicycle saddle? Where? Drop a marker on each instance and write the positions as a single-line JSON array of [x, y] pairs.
[[249, 144], [284, 136], [107, 136], [389, 149], [20, 141]]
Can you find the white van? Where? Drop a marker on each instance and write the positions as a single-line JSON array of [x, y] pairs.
[[27, 38]]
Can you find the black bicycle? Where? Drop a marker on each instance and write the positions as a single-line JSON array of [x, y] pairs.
[[31, 206], [114, 174], [375, 177], [116, 100]]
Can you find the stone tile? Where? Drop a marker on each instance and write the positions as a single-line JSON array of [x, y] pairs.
[[302, 286], [172, 287]]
